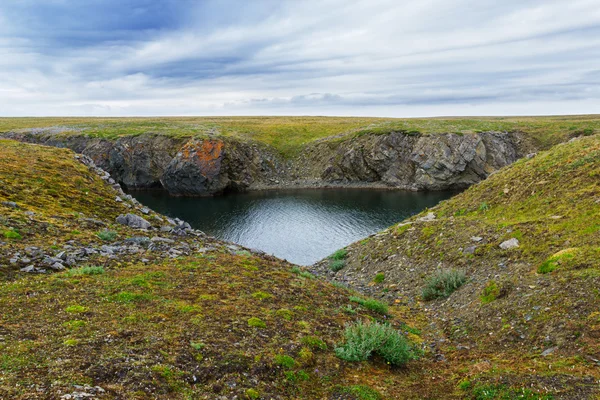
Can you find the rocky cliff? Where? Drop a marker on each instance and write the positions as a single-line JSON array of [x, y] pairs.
[[213, 165]]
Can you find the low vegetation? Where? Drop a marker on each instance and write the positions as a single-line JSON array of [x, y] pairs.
[[520, 321], [289, 134], [208, 324], [363, 340], [443, 283]]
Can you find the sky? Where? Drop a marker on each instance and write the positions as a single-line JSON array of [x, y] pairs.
[[392, 58]]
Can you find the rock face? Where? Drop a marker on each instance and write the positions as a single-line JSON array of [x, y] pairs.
[[213, 165], [428, 162], [204, 167]]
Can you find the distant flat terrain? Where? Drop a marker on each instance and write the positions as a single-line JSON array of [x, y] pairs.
[[289, 134]]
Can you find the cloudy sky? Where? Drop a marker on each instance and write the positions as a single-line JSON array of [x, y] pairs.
[[299, 57]]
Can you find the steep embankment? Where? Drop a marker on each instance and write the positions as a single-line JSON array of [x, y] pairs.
[[528, 243], [213, 164]]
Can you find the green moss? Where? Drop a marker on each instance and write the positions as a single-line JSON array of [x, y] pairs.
[[76, 309], [256, 323], [130, 297], [490, 292], [379, 278], [284, 361], [314, 342], [360, 392], [261, 295], [12, 234]]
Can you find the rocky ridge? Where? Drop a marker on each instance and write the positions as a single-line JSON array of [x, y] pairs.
[[213, 165]]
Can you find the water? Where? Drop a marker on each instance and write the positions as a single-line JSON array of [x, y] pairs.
[[302, 226]]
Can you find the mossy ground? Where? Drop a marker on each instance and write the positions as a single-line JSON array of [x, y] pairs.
[[526, 315], [170, 328], [290, 134]]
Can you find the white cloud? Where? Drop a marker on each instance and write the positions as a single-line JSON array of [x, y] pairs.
[[377, 57]]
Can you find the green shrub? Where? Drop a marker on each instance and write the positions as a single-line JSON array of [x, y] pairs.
[[380, 277], [302, 273], [107, 235], [12, 234], [256, 323], [364, 340], [371, 304], [443, 283], [90, 270], [339, 254], [252, 394], [336, 265]]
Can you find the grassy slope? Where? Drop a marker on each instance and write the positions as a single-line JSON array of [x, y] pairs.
[[166, 328], [289, 134], [551, 204]]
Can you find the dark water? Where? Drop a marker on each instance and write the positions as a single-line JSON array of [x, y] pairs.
[[302, 226]]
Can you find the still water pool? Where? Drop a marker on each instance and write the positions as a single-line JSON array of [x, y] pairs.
[[302, 226]]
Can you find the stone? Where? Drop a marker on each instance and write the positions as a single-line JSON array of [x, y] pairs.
[[10, 204], [57, 266], [509, 244], [476, 239], [549, 351], [427, 218], [29, 269], [163, 240], [133, 221], [469, 250]]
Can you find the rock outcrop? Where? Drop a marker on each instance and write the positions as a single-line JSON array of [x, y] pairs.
[[214, 164], [428, 162]]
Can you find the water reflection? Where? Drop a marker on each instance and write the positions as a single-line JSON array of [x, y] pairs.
[[302, 226]]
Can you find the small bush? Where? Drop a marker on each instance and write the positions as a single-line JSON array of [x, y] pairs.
[[90, 270], [107, 235], [364, 340], [336, 265], [256, 323], [302, 273], [371, 304], [380, 277], [339, 255], [12, 234], [252, 394], [443, 283]]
